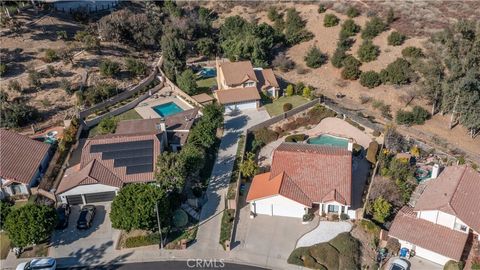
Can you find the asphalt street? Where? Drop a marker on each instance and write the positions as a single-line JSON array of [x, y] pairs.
[[174, 265]]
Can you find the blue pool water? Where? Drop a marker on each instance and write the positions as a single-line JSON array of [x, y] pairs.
[[329, 140], [167, 109], [208, 72]]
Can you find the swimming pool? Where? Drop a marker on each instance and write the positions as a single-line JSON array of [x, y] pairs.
[[207, 72], [329, 140], [167, 109]]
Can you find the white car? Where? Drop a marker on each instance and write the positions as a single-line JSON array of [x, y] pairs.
[[398, 264], [39, 264]]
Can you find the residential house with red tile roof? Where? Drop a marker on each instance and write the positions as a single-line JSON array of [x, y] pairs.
[[240, 84], [108, 162], [438, 225], [304, 177], [22, 163]]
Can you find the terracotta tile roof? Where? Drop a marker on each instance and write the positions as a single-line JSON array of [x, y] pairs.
[[233, 95], [236, 73], [262, 187], [93, 173], [121, 172], [455, 191], [180, 121], [425, 234], [202, 98], [20, 156], [309, 174], [266, 78]]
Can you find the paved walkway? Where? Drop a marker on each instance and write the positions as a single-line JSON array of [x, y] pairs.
[[208, 236], [326, 231]]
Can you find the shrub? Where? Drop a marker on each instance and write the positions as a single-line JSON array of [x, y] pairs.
[[296, 138], [345, 43], [50, 56], [179, 218], [390, 16], [398, 72], [352, 12], [396, 38], [453, 265], [287, 107], [330, 20], [136, 67], [34, 79], [283, 63], [372, 152], [318, 113], [349, 28], [107, 125], [417, 116], [373, 28], [3, 69], [386, 111], [51, 71], [351, 61], [364, 99], [265, 136], [109, 68], [14, 85], [67, 86], [351, 73], [289, 91], [307, 92], [338, 57], [142, 240], [376, 133], [299, 88], [412, 52], [308, 217], [368, 51], [273, 14], [344, 216], [370, 79], [321, 9], [62, 35], [381, 209], [393, 246], [315, 58]]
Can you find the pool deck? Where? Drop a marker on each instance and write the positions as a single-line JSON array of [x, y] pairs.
[[145, 108]]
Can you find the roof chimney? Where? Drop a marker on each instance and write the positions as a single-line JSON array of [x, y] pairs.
[[435, 171], [163, 129]]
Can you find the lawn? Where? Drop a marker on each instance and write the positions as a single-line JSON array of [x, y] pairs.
[[204, 85], [4, 245], [128, 115], [276, 107]]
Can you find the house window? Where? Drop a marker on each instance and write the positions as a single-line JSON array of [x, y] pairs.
[[460, 227], [16, 189], [333, 208]]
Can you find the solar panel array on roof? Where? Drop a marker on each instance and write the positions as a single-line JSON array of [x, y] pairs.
[[136, 156]]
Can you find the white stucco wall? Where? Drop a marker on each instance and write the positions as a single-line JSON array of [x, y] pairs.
[[85, 189], [241, 106], [278, 206], [442, 218], [425, 253]]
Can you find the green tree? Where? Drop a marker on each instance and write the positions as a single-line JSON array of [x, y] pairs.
[[193, 158], [107, 125], [134, 207], [330, 20], [351, 61], [170, 171], [351, 72], [370, 79], [373, 28], [315, 58], [187, 82], [30, 224], [174, 52], [396, 39], [136, 67], [295, 31], [352, 12], [249, 167], [381, 209], [368, 51], [206, 47], [16, 114], [289, 91], [109, 68]]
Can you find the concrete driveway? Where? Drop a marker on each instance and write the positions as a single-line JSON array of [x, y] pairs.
[[210, 217], [85, 246], [326, 231]]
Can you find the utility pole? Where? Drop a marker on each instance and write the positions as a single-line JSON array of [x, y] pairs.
[[159, 226]]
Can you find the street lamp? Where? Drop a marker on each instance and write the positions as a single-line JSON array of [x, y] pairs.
[[159, 226]]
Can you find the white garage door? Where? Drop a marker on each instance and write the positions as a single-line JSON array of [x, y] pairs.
[[278, 206], [431, 256], [240, 106]]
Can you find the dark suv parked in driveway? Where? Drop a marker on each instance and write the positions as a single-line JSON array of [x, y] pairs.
[[63, 212], [85, 219]]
